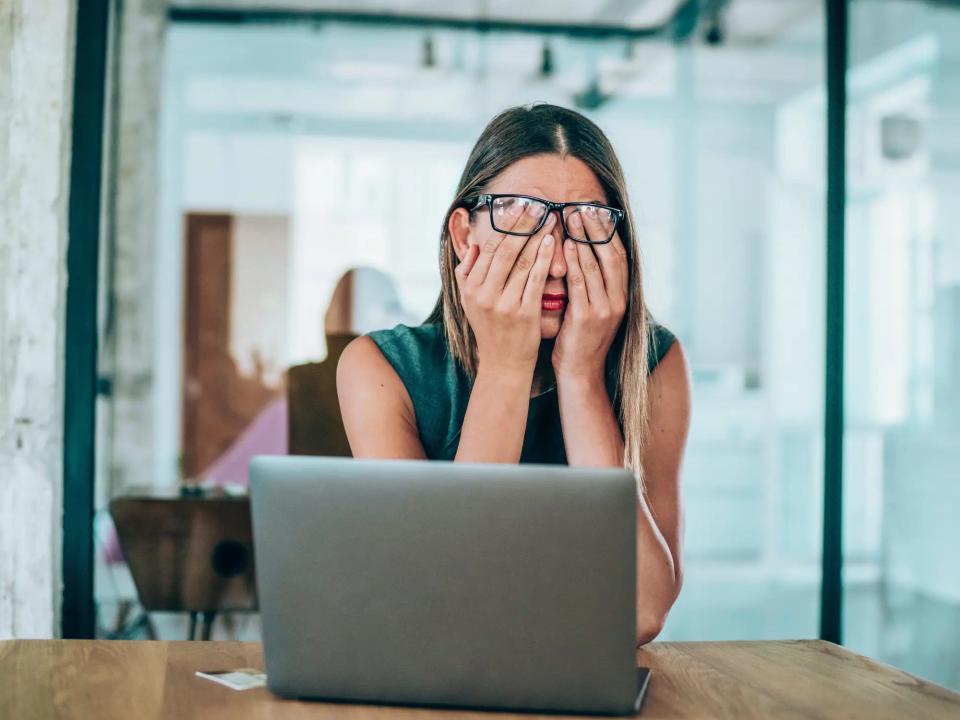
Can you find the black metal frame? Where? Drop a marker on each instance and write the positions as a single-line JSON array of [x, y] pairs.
[[678, 26], [487, 201], [92, 26], [831, 587], [80, 364]]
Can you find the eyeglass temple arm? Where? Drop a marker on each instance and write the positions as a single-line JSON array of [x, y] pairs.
[[481, 201]]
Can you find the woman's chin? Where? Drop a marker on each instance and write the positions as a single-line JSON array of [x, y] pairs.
[[549, 326]]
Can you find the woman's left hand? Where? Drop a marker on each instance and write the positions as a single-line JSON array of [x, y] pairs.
[[597, 277]]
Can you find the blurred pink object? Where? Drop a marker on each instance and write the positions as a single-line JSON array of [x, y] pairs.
[[111, 543], [266, 435]]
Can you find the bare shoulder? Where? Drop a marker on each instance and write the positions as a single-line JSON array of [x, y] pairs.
[[668, 398], [668, 387], [362, 363], [365, 375], [669, 405], [377, 412]]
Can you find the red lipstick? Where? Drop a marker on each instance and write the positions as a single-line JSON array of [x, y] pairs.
[[553, 302]]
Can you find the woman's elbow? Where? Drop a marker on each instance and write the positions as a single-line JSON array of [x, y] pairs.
[[649, 627], [649, 624]]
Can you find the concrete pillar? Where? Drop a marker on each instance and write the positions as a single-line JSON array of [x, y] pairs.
[[127, 450], [36, 87]]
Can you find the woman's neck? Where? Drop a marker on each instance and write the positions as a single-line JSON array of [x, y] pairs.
[[543, 376]]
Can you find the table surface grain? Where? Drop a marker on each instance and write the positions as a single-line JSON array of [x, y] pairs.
[[764, 679]]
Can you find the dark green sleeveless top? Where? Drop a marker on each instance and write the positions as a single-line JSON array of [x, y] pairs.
[[440, 389]]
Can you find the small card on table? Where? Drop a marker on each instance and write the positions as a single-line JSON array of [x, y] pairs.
[[241, 679]]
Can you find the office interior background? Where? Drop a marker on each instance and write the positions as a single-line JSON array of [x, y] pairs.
[[256, 150]]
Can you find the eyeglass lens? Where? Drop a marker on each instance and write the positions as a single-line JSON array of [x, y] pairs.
[[523, 215]]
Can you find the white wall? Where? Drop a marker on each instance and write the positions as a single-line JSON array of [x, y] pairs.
[[36, 75], [258, 295]]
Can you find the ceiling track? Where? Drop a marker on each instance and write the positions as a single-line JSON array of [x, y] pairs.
[[678, 27]]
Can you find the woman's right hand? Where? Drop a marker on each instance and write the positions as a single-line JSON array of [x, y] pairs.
[[501, 288]]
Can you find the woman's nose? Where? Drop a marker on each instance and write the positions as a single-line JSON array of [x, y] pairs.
[[558, 265]]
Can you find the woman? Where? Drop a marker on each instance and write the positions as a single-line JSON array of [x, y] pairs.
[[540, 347]]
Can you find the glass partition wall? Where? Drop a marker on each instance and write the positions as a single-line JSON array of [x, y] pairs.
[[291, 152], [901, 574]]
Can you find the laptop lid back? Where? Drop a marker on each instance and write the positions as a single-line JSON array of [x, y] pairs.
[[415, 582]]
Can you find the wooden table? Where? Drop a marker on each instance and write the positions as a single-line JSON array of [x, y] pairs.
[[790, 679]]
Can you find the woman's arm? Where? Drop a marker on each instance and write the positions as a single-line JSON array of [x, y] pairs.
[[592, 437], [380, 422], [668, 398], [496, 417], [597, 284], [376, 408], [501, 286]]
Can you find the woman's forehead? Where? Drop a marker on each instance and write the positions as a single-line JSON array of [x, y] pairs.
[[561, 179]]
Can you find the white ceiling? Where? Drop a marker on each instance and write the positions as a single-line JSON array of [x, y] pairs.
[[772, 50]]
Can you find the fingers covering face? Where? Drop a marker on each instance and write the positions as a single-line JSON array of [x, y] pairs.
[[537, 280], [525, 262], [499, 252], [515, 255], [587, 271], [466, 265], [610, 256], [576, 282], [505, 264]]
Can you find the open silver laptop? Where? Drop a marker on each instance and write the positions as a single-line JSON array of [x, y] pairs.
[[435, 583]]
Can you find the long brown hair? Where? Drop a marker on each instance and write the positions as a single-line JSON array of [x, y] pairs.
[[512, 135]]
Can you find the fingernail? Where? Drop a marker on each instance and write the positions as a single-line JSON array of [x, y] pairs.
[[548, 240]]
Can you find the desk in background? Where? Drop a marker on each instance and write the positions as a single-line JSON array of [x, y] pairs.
[[105, 679], [188, 552]]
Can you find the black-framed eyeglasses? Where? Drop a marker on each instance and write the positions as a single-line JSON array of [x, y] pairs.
[[526, 214]]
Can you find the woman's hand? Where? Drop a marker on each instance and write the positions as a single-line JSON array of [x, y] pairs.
[[597, 278], [501, 288]]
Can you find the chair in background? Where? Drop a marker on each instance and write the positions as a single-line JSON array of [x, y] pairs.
[[363, 299], [314, 423], [189, 552]]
